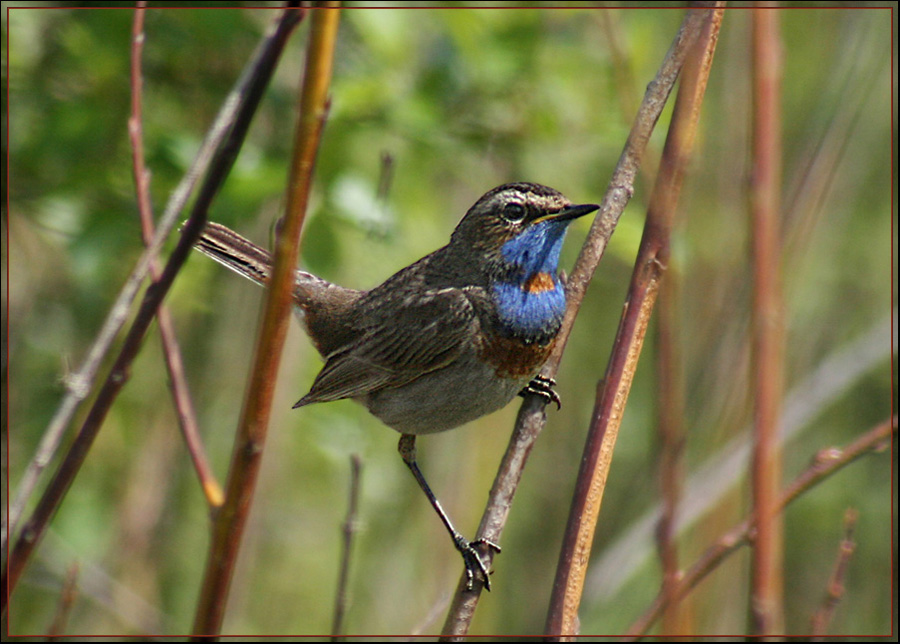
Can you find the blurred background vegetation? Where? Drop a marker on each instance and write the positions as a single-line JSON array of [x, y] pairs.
[[459, 100]]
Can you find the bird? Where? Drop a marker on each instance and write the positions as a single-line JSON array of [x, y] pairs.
[[450, 338]]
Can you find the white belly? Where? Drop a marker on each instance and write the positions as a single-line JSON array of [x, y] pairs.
[[444, 399]]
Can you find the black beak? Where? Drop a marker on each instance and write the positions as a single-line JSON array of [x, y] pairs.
[[571, 212]]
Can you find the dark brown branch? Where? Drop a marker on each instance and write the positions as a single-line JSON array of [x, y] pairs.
[[531, 417], [219, 150], [826, 463], [251, 432]]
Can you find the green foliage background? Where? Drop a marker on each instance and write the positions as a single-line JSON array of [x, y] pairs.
[[461, 100]]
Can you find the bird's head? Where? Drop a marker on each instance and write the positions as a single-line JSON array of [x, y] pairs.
[[509, 242], [518, 228]]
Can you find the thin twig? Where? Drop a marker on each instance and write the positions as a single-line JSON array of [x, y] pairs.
[[218, 151], [531, 417], [184, 407], [767, 593], [825, 463], [130, 609], [251, 432], [67, 598], [350, 528], [835, 592]]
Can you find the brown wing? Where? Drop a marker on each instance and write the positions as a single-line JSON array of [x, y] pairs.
[[411, 336]]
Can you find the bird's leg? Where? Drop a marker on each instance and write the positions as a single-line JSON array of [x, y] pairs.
[[543, 387], [472, 559]]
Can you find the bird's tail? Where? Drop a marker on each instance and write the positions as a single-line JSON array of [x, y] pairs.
[[235, 252], [325, 309]]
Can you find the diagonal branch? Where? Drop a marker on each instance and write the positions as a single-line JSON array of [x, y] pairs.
[[218, 152], [531, 417]]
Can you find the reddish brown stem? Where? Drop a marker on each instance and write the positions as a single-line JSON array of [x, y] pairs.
[[835, 591], [251, 433], [671, 435], [562, 620], [184, 407], [766, 596], [67, 598]]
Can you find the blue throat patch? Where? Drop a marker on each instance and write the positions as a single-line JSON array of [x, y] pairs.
[[530, 299]]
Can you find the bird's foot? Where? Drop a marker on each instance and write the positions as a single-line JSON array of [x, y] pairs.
[[543, 387], [474, 561]]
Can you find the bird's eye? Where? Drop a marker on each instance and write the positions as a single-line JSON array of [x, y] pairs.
[[514, 213]]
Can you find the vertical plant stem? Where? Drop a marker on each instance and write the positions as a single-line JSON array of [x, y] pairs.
[[766, 597], [562, 619], [349, 530], [229, 523], [670, 431]]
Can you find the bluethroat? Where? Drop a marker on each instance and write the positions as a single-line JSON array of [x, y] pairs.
[[446, 340]]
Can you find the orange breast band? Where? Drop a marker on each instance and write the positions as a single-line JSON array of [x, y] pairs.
[[539, 282]]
